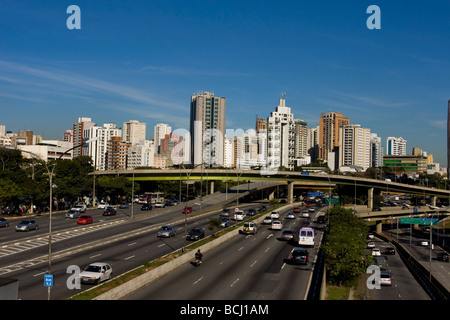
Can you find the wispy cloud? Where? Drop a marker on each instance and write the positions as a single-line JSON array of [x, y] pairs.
[[370, 100], [85, 85], [191, 72]]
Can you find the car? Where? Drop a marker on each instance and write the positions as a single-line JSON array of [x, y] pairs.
[[290, 215], [287, 235], [146, 207], [299, 256], [159, 205], [370, 244], [312, 210], [424, 243], [96, 273], [85, 219], [296, 210], [274, 215], [442, 256], [72, 214], [376, 252], [124, 205], [385, 279], [380, 262], [370, 236], [225, 212], [321, 219], [169, 204], [267, 220], [196, 234], [81, 207], [166, 231], [389, 250], [225, 222], [376, 209], [262, 208], [249, 228], [187, 210], [27, 225], [239, 216], [305, 214], [276, 225], [4, 222], [110, 211], [251, 212], [103, 205]]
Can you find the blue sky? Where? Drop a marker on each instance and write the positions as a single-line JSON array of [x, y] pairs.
[[142, 60]]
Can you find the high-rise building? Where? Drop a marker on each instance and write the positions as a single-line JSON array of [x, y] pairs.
[[207, 128], [78, 134], [116, 153], [281, 137], [97, 149], [160, 131], [376, 150], [329, 125], [355, 146], [395, 146], [133, 131], [301, 138], [313, 143]]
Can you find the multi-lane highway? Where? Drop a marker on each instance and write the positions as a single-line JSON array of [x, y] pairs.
[[248, 267]]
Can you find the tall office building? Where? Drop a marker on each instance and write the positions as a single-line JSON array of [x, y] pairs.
[[133, 131], [207, 128], [329, 125], [355, 146], [313, 143], [281, 137], [395, 146], [116, 153]]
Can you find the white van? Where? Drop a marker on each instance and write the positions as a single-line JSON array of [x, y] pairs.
[[239, 216]]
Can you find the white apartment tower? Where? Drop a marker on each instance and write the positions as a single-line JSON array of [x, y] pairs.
[[396, 146], [355, 147], [133, 131], [281, 137]]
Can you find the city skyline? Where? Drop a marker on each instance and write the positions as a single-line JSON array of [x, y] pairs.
[[143, 61]]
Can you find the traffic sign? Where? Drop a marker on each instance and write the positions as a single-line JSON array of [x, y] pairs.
[[48, 280], [236, 209], [420, 221]]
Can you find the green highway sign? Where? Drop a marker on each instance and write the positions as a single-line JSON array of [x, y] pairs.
[[421, 221]]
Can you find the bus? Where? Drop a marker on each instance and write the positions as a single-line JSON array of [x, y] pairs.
[[151, 197], [306, 237]]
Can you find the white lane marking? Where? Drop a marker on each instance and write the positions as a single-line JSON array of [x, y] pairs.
[[235, 281]]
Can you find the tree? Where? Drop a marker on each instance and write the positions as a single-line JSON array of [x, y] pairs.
[[344, 248]]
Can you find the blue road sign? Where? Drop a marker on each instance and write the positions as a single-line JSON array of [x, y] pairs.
[[48, 280]]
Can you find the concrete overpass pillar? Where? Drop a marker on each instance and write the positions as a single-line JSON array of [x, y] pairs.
[[379, 226], [370, 198], [290, 187], [271, 195], [433, 200], [211, 188]]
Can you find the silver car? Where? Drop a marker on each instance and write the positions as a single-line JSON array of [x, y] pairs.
[[27, 225], [72, 214], [167, 231], [4, 222]]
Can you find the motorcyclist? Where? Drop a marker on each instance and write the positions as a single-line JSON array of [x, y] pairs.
[[198, 257]]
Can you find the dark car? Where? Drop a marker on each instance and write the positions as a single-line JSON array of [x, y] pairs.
[[376, 209], [196, 234], [251, 212], [124, 205], [321, 219], [4, 222], [109, 211], [299, 256], [389, 250], [146, 206], [442, 256]]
